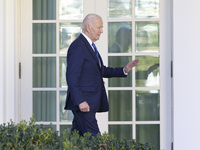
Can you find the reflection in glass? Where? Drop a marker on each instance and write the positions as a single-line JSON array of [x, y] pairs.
[[148, 134], [147, 37], [62, 72], [68, 33], [44, 105], [70, 9], [44, 9], [147, 72], [44, 72], [65, 115], [119, 61], [121, 131], [119, 8], [147, 8], [120, 103], [44, 38], [119, 37], [148, 105], [66, 128]]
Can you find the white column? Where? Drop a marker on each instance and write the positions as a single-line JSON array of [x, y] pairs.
[[7, 61], [165, 71], [1, 61], [186, 24]]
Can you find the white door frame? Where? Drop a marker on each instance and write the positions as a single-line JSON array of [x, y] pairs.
[[165, 64]]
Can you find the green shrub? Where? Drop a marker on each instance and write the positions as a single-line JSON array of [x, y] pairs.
[[28, 135]]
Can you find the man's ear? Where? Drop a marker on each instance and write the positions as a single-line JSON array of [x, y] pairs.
[[88, 28]]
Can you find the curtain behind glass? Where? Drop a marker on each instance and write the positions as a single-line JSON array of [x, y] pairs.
[[44, 105], [146, 133], [44, 72], [120, 105], [121, 131], [44, 38], [44, 9]]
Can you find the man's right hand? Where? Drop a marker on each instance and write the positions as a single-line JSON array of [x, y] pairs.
[[84, 107], [130, 65]]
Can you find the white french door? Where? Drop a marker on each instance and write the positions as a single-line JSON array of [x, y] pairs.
[[140, 105], [48, 27]]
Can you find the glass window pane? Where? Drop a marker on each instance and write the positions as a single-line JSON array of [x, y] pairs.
[[65, 115], [147, 37], [70, 9], [147, 8], [68, 33], [120, 103], [62, 72], [121, 131], [120, 61], [119, 37], [65, 128], [119, 8], [148, 134], [44, 9], [148, 105], [54, 128], [44, 105], [44, 72], [147, 72], [44, 38]]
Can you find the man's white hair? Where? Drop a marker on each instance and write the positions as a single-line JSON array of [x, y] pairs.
[[89, 19]]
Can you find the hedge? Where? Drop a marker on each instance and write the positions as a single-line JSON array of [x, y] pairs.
[[28, 135]]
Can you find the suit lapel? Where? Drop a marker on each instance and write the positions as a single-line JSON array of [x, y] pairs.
[[91, 51]]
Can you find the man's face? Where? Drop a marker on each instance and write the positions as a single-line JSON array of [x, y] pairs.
[[95, 29]]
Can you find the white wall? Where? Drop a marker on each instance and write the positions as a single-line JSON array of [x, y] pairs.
[[186, 23]]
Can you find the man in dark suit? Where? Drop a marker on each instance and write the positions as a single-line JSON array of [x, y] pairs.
[[86, 93]]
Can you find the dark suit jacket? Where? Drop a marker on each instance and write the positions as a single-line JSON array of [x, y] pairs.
[[85, 77]]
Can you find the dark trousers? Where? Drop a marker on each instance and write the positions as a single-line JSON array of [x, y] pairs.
[[85, 122]]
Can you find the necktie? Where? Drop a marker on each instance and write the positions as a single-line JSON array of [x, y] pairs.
[[96, 52]]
